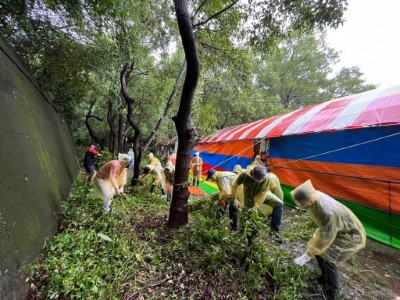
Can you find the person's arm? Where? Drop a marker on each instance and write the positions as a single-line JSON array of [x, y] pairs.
[[238, 181], [95, 152]]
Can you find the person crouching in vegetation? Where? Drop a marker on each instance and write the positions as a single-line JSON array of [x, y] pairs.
[[224, 180], [111, 179], [154, 170], [256, 188], [339, 235]]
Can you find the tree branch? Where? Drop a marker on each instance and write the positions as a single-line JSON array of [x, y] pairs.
[[168, 106], [215, 15]]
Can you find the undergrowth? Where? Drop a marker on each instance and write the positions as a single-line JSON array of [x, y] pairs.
[[131, 253]]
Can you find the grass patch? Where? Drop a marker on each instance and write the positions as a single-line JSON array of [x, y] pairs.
[[130, 253]]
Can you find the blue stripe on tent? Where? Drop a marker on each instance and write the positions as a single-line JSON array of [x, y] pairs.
[[226, 162], [374, 154]]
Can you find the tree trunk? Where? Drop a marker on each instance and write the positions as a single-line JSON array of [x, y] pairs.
[[120, 133], [110, 121], [178, 215], [89, 127]]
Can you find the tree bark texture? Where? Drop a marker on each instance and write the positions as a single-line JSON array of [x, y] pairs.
[[125, 73], [110, 121], [89, 127], [178, 215]]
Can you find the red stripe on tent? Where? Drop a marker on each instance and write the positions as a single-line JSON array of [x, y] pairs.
[[253, 132], [206, 167], [324, 117], [280, 128], [373, 194], [214, 137], [237, 148], [238, 133], [381, 111], [368, 172]]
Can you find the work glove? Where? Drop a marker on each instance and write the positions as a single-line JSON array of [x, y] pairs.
[[121, 190], [117, 191], [302, 260], [253, 210]]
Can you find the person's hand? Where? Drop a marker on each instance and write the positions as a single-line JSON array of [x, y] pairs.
[[121, 190], [302, 260], [253, 210], [117, 191]]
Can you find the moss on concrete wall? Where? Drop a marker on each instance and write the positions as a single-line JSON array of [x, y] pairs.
[[37, 167]]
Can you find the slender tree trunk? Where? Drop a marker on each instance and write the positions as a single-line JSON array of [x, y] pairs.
[[89, 127], [110, 121], [120, 133], [178, 215]]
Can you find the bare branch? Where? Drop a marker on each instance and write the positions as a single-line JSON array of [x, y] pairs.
[[198, 9], [215, 15], [168, 106]]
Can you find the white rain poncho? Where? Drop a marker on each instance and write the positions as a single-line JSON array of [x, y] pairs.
[[339, 235]]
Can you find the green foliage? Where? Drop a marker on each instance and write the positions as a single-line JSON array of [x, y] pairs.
[[130, 251]]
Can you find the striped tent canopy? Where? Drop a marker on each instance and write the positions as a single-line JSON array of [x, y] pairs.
[[373, 108]]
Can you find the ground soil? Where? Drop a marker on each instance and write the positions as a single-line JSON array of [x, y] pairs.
[[374, 273]]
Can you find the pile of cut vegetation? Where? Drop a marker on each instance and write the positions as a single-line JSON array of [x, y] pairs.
[[131, 254]]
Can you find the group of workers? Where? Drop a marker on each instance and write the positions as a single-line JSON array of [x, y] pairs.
[[339, 234]]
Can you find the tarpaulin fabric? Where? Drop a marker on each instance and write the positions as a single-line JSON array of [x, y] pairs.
[[372, 108], [348, 147], [225, 156]]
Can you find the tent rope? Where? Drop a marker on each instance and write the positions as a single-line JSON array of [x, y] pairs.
[[308, 157]]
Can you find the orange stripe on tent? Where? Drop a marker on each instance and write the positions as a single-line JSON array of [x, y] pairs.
[[353, 170], [395, 198], [234, 148], [371, 193]]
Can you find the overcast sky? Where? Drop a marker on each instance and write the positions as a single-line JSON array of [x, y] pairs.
[[370, 39]]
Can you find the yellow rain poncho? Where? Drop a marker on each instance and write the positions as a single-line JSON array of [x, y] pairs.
[[224, 181], [169, 174], [339, 235]]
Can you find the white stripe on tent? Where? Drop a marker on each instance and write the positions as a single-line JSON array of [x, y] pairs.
[[232, 131], [304, 118], [357, 106], [209, 138], [251, 125], [263, 133], [246, 133]]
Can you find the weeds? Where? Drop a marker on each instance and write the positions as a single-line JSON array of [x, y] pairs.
[[131, 252]]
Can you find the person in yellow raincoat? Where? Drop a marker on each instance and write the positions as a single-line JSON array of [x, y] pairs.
[[196, 164], [339, 235], [257, 161], [156, 172], [169, 174], [256, 188], [224, 180], [111, 179]]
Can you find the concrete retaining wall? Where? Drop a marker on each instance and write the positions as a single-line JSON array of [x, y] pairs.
[[37, 167]]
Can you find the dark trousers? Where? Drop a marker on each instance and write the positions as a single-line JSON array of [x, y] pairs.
[[329, 277], [276, 217], [233, 215]]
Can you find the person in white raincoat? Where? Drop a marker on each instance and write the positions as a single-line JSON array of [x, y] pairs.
[[339, 235]]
